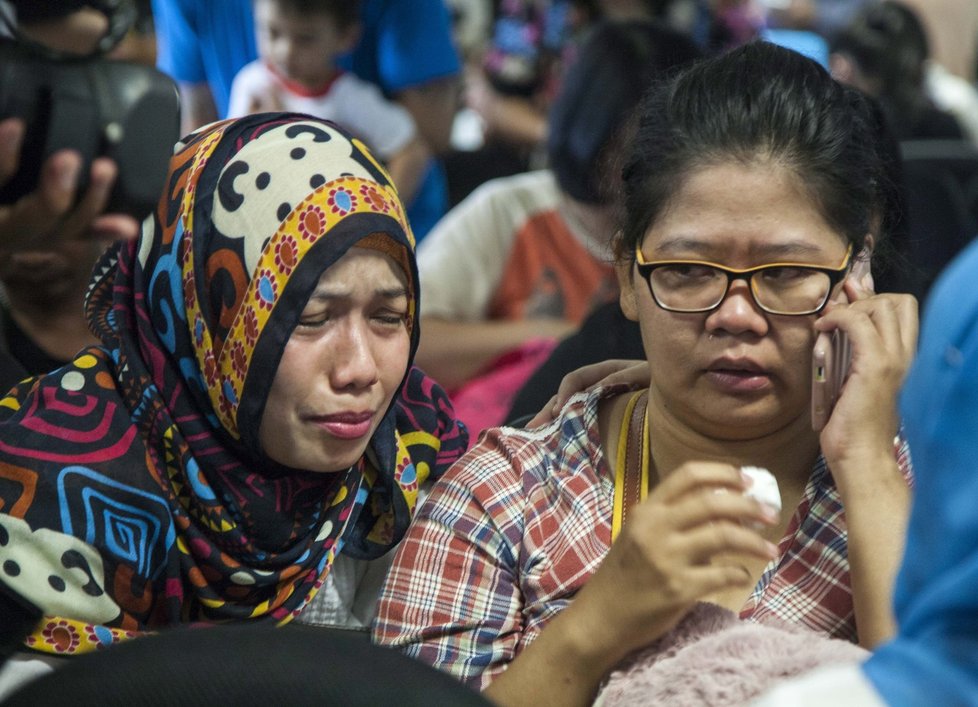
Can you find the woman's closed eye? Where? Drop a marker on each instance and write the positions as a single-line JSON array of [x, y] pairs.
[[390, 317], [314, 321]]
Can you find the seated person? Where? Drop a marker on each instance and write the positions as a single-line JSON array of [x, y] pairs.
[[750, 189], [519, 263], [299, 44], [251, 413]]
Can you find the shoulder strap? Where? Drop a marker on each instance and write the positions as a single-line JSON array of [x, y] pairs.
[[632, 461]]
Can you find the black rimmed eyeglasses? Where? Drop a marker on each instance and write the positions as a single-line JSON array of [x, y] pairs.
[[690, 286]]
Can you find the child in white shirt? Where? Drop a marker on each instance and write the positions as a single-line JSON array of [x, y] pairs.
[[299, 42]]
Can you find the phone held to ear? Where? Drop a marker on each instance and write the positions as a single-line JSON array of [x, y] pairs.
[[830, 368]]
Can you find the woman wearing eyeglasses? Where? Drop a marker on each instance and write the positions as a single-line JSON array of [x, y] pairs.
[[753, 184]]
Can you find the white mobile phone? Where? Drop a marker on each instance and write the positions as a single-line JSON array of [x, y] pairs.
[[830, 368]]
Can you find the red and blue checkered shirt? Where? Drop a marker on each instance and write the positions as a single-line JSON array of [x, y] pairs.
[[521, 522]]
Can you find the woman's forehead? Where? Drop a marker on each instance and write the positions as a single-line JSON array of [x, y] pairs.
[[758, 210], [365, 266]]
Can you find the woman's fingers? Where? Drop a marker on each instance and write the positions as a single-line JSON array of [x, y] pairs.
[[710, 506], [698, 475], [93, 201], [11, 139], [704, 543], [603, 373], [547, 413]]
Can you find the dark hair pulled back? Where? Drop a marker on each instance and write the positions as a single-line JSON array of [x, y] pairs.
[[757, 103]]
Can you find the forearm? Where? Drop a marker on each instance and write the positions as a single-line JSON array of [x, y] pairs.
[[877, 506], [197, 106], [433, 106], [560, 668], [516, 120], [407, 168], [453, 352]]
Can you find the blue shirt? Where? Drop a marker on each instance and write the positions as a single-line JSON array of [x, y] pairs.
[[934, 658]]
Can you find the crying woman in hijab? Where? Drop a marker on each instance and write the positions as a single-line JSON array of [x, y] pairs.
[[251, 431]]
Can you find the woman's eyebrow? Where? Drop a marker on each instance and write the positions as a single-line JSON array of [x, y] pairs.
[[772, 250], [326, 295]]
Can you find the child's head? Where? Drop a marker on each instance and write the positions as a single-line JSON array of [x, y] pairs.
[[300, 39]]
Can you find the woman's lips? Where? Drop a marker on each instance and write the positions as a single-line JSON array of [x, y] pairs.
[[346, 425], [738, 376]]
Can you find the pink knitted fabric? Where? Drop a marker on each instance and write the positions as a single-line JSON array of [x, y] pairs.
[[713, 658]]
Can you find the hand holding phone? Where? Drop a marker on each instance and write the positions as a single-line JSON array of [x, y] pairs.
[[830, 368]]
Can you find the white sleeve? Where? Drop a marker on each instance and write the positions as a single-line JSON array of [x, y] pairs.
[[250, 81], [462, 258], [21, 668], [384, 125], [842, 685]]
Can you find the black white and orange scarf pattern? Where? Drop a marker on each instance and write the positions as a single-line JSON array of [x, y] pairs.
[[133, 490]]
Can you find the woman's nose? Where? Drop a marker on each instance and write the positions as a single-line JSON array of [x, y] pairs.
[[355, 365], [738, 312]]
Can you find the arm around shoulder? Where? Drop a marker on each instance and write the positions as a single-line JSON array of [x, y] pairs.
[[451, 598]]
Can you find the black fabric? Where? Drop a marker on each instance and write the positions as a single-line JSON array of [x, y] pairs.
[[32, 358], [17, 617], [11, 372], [939, 177], [605, 334], [247, 664]]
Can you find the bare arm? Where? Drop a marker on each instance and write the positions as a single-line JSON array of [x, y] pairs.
[[662, 547], [858, 444], [513, 118], [452, 352], [433, 106], [407, 168], [196, 106]]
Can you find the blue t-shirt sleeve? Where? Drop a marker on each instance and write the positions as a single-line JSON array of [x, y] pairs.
[[205, 41], [405, 43], [177, 45]]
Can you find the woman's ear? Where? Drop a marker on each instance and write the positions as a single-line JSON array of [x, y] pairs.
[[626, 287], [861, 271]]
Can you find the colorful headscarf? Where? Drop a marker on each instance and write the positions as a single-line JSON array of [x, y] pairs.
[[133, 488]]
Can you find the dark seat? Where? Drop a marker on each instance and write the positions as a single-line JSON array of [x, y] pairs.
[[247, 664], [941, 181]]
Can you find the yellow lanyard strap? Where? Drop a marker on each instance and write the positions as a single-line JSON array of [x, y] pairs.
[[632, 460]]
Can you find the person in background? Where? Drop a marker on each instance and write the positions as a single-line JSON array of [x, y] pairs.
[[883, 52], [299, 43], [513, 84], [405, 48], [250, 437], [520, 262], [546, 555]]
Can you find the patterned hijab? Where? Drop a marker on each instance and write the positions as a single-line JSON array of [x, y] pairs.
[[133, 488]]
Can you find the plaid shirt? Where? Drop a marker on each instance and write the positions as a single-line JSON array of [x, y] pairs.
[[521, 522]]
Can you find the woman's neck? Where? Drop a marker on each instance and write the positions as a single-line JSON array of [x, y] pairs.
[[788, 452]]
